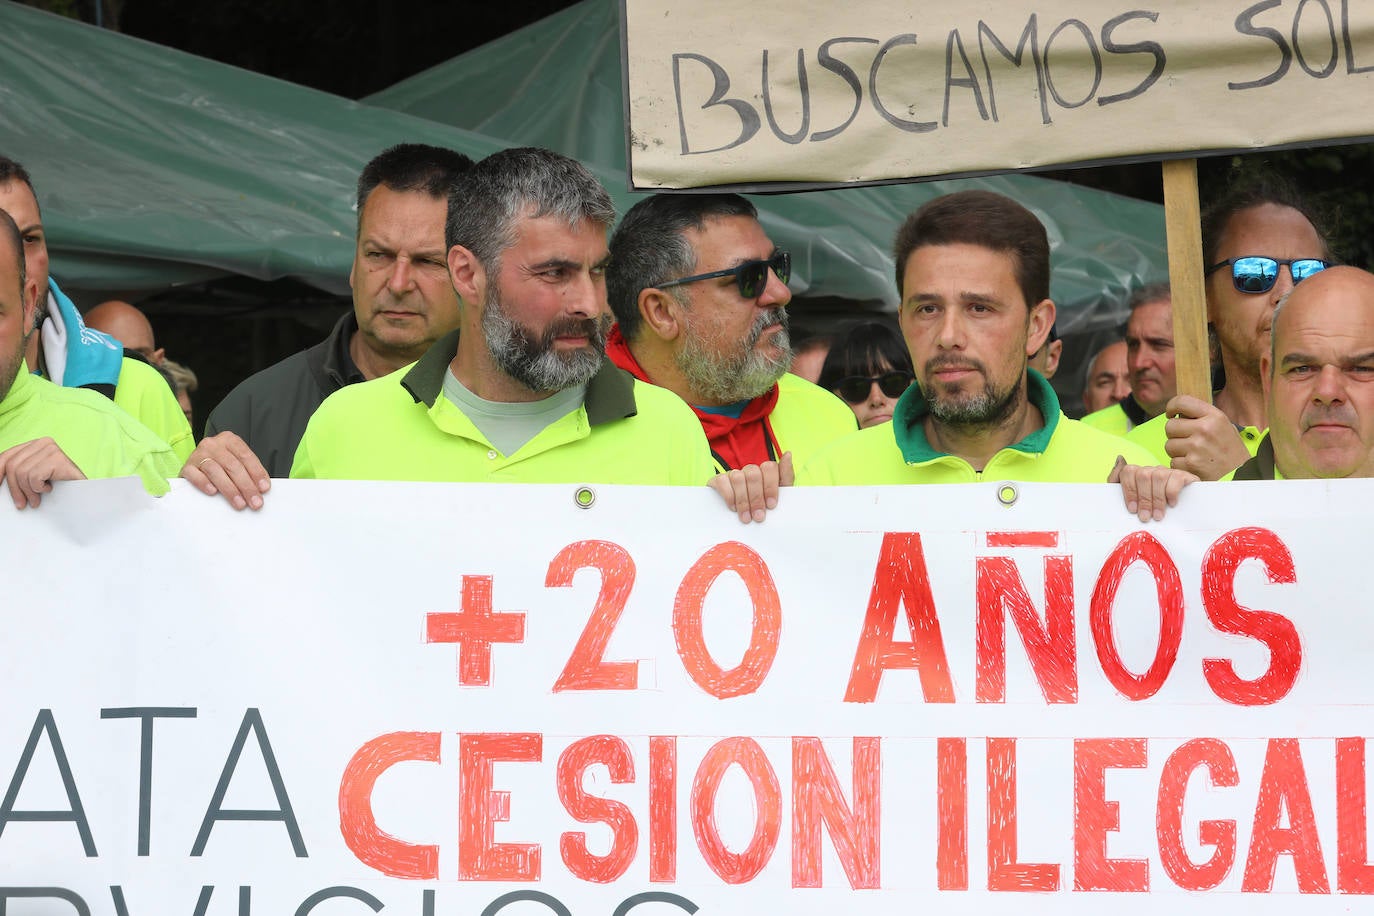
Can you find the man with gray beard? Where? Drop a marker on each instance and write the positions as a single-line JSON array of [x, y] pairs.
[[522, 391], [700, 298]]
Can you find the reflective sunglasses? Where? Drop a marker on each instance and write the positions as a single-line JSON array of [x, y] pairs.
[[1258, 274], [751, 276], [855, 388]]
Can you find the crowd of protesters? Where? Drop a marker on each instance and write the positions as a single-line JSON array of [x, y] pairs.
[[506, 328]]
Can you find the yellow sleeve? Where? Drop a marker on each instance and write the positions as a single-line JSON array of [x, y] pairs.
[[144, 394]]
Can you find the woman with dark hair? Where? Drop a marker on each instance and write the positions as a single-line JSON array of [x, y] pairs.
[[868, 367]]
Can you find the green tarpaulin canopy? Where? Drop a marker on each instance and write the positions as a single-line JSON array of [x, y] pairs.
[[157, 168], [557, 83], [154, 167]]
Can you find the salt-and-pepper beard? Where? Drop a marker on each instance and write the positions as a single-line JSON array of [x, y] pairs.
[[739, 376], [534, 363]]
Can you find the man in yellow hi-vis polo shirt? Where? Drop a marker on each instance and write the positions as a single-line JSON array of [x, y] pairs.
[[48, 432], [973, 274], [522, 391]]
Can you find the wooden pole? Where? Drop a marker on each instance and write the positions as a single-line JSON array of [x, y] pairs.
[[1183, 226]]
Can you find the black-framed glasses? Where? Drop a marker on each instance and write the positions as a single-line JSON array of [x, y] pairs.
[[855, 388], [1258, 274], [751, 276]]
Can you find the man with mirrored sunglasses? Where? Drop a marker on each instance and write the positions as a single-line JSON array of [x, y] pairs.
[[699, 294], [1259, 239]]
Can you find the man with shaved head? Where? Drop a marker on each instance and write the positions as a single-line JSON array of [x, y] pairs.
[[62, 349], [48, 432], [1108, 378], [1319, 382], [129, 326]]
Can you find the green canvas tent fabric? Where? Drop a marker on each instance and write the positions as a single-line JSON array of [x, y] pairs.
[[154, 167], [557, 83]]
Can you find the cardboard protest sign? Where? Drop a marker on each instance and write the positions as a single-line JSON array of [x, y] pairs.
[[821, 94], [432, 699]]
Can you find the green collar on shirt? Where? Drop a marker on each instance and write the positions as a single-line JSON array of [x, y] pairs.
[[610, 393], [912, 408]]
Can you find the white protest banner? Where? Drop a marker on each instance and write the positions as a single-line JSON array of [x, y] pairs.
[[434, 699], [801, 93]]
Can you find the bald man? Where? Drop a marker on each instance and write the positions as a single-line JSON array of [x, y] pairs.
[[129, 326], [1318, 380], [1108, 378]]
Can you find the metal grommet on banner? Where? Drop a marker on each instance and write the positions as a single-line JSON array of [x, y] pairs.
[[1007, 493], [585, 497]]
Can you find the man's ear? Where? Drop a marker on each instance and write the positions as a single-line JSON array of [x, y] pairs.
[[30, 306], [662, 313], [1054, 351], [1038, 325], [466, 274], [1266, 381]]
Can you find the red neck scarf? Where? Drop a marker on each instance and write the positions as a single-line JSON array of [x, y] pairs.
[[735, 441]]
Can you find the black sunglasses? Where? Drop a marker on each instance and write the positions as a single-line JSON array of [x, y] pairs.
[[855, 388], [751, 276], [1258, 274]]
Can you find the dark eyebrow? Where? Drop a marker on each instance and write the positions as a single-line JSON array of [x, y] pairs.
[[564, 263], [1358, 358], [1297, 359], [603, 263], [742, 260]]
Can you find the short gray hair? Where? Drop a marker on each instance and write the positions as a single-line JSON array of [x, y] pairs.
[[1151, 292], [526, 182], [650, 247]]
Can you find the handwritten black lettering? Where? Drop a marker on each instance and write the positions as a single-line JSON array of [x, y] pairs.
[[1028, 35], [1350, 65], [748, 117], [802, 87], [914, 126], [967, 81], [1245, 24], [1153, 48], [845, 72], [1087, 34], [1330, 66]]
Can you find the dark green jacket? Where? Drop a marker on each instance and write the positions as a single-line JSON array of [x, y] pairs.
[[1260, 467], [269, 409]]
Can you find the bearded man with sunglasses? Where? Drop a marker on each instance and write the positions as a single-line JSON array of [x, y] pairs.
[[973, 272], [700, 299], [1258, 241]]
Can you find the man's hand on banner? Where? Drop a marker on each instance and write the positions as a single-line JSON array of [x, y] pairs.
[[225, 464], [30, 468], [753, 490], [1149, 491]]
